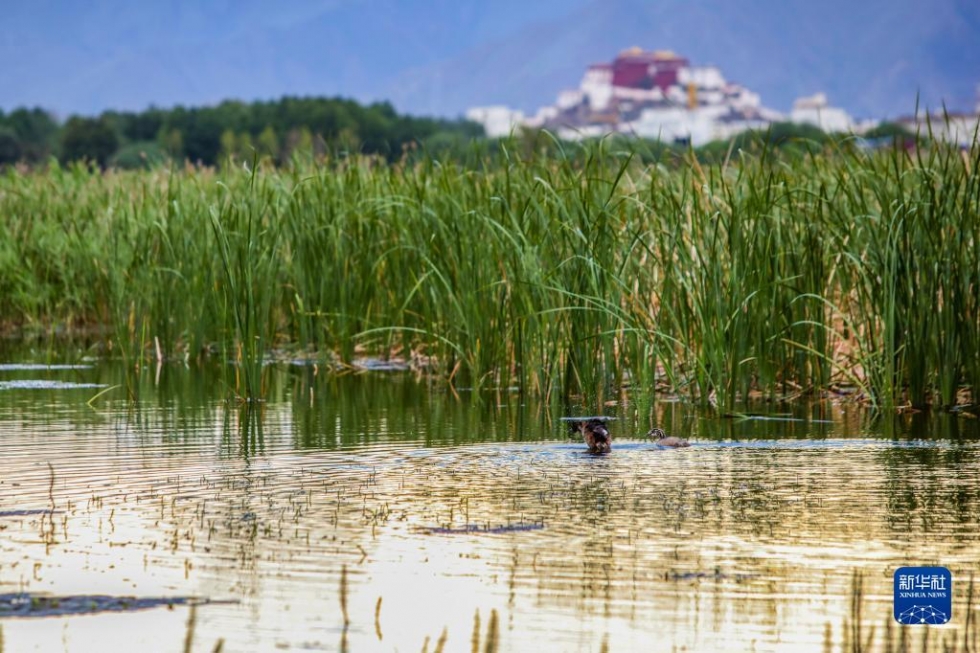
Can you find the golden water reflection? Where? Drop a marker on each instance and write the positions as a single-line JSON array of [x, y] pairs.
[[747, 541]]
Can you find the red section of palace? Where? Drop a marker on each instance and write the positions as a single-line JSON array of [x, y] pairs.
[[639, 69]]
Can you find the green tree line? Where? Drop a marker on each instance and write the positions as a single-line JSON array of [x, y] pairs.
[[29, 135], [277, 131], [232, 130]]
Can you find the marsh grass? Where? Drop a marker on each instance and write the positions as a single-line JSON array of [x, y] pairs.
[[189, 632], [570, 275], [247, 232]]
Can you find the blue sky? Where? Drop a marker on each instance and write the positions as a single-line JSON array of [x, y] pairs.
[[441, 56]]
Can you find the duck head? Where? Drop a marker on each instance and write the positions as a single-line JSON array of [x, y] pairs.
[[665, 440]]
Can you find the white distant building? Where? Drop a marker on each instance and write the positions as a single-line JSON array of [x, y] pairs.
[[597, 86], [666, 124], [657, 95], [695, 126], [950, 126], [569, 99], [706, 77], [497, 121], [814, 110], [742, 99], [568, 133], [959, 128], [543, 115], [660, 95]]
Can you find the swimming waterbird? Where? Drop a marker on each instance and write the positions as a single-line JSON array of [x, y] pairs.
[[595, 434], [665, 440]]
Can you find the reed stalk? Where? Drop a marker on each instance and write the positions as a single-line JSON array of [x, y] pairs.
[[571, 272]]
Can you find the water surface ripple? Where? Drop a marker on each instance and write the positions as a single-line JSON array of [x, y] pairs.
[[744, 541]]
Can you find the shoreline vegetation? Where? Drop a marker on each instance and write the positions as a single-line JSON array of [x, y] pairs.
[[557, 268]]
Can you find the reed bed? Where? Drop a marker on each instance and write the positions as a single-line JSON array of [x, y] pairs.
[[579, 272]]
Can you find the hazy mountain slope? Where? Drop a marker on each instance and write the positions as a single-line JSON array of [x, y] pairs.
[[871, 56], [442, 56]]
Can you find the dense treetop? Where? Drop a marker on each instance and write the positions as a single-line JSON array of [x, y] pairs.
[[206, 135]]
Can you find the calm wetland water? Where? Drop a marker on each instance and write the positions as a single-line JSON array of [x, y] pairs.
[[425, 515]]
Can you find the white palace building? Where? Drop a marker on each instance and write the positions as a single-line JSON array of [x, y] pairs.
[[657, 95]]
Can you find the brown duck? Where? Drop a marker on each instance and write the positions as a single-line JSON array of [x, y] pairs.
[[595, 434], [665, 440]]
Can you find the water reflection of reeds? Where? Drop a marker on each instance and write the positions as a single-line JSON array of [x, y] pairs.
[[745, 537]]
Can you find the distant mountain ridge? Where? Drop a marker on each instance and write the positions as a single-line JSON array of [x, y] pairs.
[[873, 57], [443, 56]]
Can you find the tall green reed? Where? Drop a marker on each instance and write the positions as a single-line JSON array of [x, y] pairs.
[[575, 273], [247, 235]]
